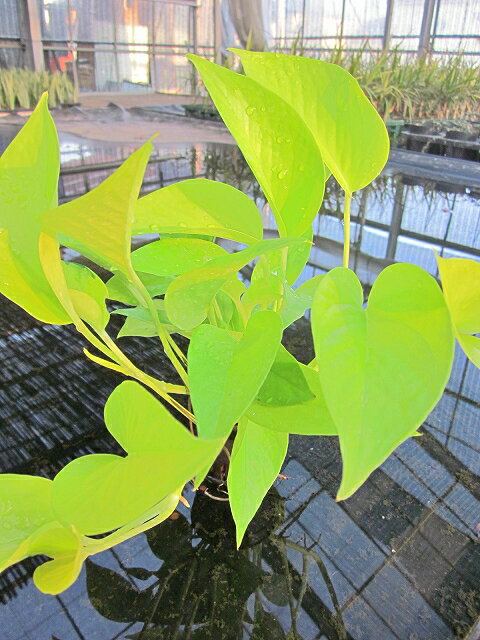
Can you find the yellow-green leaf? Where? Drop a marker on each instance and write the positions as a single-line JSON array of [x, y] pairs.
[[349, 132], [226, 374], [25, 504], [29, 169], [99, 223], [275, 141], [188, 298], [256, 460], [310, 418], [88, 293], [461, 288], [100, 492], [382, 369], [173, 256], [201, 207]]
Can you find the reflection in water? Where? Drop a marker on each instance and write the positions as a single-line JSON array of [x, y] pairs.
[[397, 560], [205, 588]]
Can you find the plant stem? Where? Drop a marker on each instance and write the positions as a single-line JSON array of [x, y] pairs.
[[162, 334], [150, 382], [218, 313], [346, 230]]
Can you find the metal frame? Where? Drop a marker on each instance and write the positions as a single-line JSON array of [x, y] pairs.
[[32, 47]]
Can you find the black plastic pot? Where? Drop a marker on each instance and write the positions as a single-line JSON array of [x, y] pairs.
[[417, 136]]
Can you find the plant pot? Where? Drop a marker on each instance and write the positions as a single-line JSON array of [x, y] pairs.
[[419, 129], [457, 145], [467, 136]]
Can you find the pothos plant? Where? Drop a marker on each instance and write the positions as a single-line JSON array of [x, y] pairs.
[[379, 369]]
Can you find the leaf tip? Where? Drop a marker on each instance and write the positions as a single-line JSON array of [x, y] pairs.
[[193, 58], [239, 537]]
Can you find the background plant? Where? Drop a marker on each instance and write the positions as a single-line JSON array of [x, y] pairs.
[[405, 86], [378, 370], [22, 88]]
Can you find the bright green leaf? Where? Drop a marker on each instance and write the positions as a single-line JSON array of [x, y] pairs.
[[275, 141], [139, 321], [199, 206], [88, 293], [138, 328], [461, 288], [119, 288], [298, 257], [226, 374], [285, 384], [256, 461], [309, 418], [29, 170], [263, 291], [188, 298], [297, 301], [226, 306], [28, 528], [141, 313], [109, 490], [54, 272], [382, 369], [349, 132], [173, 256], [98, 224], [25, 505], [63, 545]]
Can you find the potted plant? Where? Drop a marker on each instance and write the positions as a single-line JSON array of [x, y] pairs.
[[378, 370]]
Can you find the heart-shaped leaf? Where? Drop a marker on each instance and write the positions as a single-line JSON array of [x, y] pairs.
[[461, 288], [226, 374], [28, 528], [29, 169], [110, 490], [349, 132], [25, 504], [256, 460], [275, 141], [311, 418], [285, 384], [382, 369], [188, 298], [63, 545], [99, 223], [199, 206]]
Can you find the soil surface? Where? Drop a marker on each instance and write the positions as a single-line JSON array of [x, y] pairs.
[[123, 118]]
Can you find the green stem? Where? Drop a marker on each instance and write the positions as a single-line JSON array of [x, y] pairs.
[[218, 313], [346, 230], [150, 382], [162, 334], [113, 539]]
